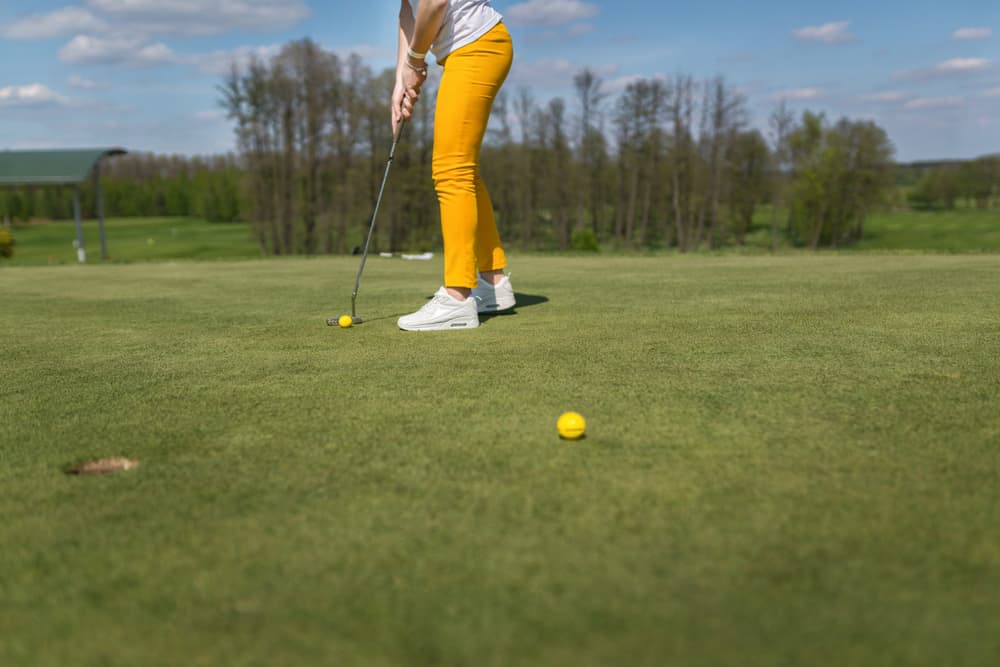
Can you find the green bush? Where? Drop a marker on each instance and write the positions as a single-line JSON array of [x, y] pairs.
[[585, 240], [6, 242]]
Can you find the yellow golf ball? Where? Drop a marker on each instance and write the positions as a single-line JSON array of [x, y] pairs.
[[571, 426], [345, 321]]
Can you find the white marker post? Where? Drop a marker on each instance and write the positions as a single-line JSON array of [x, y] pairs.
[[81, 254]]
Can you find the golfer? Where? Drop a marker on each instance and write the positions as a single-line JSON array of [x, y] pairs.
[[470, 42]]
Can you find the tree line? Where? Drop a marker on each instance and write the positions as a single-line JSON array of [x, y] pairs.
[[141, 185], [948, 185], [667, 163]]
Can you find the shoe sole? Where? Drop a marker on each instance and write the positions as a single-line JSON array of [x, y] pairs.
[[494, 308], [444, 326]]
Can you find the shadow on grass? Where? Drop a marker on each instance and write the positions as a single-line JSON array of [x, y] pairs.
[[523, 301]]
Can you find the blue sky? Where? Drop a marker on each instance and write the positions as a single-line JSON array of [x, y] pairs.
[[142, 73]]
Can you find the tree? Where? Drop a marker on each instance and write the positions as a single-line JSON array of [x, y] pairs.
[[641, 142], [782, 124], [749, 178], [560, 174], [723, 116], [840, 174], [978, 178], [592, 145], [683, 159]]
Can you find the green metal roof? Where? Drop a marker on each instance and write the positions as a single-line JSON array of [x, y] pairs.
[[53, 167]]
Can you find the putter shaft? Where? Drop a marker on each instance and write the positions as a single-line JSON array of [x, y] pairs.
[[371, 226]]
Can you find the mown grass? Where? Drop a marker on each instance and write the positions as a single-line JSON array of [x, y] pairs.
[[965, 230], [132, 240], [959, 230], [790, 460]]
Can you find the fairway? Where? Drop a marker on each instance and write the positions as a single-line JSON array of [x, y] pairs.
[[789, 460]]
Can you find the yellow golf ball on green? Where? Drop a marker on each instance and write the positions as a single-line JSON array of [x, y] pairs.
[[571, 426], [345, 321]]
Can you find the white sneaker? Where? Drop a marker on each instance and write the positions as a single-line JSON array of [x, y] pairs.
[[494, 298], [442, 313]]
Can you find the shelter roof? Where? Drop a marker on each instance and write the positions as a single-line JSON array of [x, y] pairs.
[[51, 167]]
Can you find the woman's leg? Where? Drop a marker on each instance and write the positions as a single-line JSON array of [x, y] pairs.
[[472, 77]]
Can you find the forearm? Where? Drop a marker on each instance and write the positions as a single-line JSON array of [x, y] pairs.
[[416, 34], [427, 24], [405, 34]]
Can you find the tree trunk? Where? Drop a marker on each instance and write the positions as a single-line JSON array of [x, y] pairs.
[[679, 220], [633, 194]]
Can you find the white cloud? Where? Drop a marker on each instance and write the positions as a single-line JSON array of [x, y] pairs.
[[994, 92], [934, 102], [155, 17], [828, 33], [550, 12], [581, 29], [799, 94], [76, 81], [949, 68], [366, 52], [219, 62], [202, 17], [887, 96], [963, 34], [59, 23], [116, 50], [618, 85], [555, 72], [31, 95], [964, 65]]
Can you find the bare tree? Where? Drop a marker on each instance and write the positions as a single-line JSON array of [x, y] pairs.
[[526, 110], [723, 116], [680, 108], [782, 123], [592, 147]]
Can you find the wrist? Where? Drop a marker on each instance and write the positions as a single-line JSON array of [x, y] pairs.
[[420, 69], [416, 56]]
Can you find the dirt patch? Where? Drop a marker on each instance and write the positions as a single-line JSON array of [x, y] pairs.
[[102, 466]]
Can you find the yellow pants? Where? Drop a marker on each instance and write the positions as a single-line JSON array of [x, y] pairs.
[[472, 77]]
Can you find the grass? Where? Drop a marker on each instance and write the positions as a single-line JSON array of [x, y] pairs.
[[132, 240], [963, 230], [158, 239], [960, 230], [790, 460]]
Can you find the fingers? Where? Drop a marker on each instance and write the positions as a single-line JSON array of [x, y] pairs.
[[408, 103], [406, 96]]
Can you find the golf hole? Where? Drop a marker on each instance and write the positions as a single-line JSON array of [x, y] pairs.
[[102, 466]]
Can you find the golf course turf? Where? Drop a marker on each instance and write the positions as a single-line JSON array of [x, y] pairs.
[[789, 460]]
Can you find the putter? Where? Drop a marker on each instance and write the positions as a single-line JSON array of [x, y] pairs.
[[371, 228]]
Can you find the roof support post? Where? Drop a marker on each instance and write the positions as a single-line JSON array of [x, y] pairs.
[[81, 254], [100, 210]]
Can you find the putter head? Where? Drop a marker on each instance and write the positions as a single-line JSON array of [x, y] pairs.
[[356, 320]]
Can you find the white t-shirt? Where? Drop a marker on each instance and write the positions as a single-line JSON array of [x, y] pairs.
[[464, 22]]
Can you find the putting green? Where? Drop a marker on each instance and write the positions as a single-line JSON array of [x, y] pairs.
[[788, 460]]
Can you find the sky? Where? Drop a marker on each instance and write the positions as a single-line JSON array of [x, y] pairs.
[[142, 74]]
